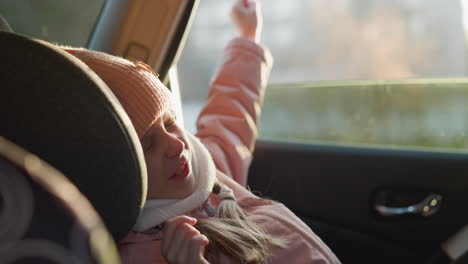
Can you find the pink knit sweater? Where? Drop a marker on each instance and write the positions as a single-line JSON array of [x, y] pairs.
[[228, 128]]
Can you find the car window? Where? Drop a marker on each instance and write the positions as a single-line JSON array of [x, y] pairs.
[[342, 68], [66, 21]]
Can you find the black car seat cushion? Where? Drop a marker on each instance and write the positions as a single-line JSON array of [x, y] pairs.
[[55, 107]]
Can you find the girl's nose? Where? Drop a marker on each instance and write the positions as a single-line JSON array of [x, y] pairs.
[[175, 146]]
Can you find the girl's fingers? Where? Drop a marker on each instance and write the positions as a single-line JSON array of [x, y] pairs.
[[171, 229], [190, 250], [183, 251], [183, 234], [197, 248], [171, 225], [178, 240]]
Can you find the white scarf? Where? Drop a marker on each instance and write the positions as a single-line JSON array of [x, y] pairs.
[[157, 211]]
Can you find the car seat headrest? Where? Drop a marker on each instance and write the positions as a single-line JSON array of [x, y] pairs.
[[54, 106]]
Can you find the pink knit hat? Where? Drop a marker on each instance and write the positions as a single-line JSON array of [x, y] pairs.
[[139, 91]]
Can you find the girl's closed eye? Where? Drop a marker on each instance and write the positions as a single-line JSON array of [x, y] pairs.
[[169, 123]]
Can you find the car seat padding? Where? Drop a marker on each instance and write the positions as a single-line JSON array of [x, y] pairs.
[[54, 106], [43, 216]]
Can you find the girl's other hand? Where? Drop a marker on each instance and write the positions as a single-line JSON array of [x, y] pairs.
[[183, 243], [247, 16]]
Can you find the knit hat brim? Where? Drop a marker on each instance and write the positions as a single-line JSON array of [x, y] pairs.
[[143, 96]]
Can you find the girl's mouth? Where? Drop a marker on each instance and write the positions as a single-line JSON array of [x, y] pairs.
[[181, 173]]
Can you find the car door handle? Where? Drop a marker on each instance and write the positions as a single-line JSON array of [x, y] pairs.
[[427, 207]]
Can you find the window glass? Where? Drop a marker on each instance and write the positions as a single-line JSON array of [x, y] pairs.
[[410, 113], [66, 21], [340, 41]]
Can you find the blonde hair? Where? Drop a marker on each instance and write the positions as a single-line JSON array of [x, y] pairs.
[[234, 234]]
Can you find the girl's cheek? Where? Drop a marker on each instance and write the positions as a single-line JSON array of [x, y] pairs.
[[150, 157]]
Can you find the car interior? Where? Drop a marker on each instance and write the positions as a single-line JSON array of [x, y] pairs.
[[73, 176]]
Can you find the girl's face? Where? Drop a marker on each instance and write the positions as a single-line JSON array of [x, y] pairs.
[[167, 156]]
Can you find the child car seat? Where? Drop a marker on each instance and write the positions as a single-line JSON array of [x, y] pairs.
[[55, 107]]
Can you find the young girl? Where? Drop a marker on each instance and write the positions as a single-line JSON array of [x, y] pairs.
[[198, 209]]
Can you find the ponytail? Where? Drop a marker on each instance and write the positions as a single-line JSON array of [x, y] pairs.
[[233, 233]]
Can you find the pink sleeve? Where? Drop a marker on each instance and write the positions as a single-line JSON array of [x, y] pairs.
[[228, 123]]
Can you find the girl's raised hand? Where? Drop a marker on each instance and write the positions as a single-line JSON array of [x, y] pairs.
[[183, 243], [247, 16]]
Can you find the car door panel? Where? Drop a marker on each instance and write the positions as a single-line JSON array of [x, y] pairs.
[[332, 188]]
